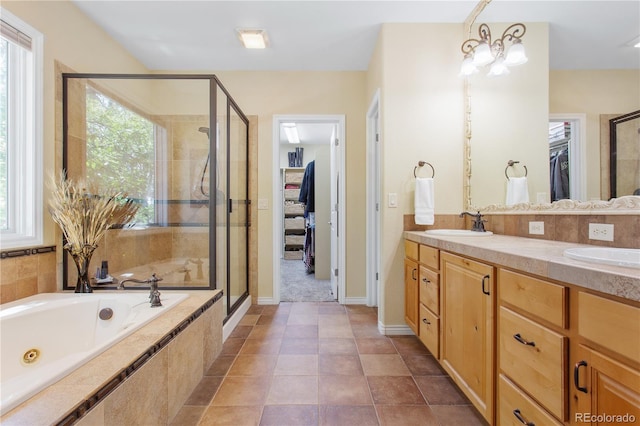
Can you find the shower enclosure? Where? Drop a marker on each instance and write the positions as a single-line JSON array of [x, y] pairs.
[[178, 146]]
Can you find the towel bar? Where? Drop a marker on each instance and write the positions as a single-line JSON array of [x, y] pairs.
[[510, 163], [421, 164]]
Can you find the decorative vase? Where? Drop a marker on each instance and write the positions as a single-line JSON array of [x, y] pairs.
[[82, 260]]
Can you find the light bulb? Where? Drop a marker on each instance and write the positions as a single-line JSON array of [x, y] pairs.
[[467, 68], [482, 54], [516, 54], [498, 68]]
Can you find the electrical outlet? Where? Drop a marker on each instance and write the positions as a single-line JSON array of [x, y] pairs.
[[536, 228], [600, 231], [263, 204]]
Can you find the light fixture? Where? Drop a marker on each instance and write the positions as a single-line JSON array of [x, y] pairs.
[[483, 51], [253, 39], [291, 131]]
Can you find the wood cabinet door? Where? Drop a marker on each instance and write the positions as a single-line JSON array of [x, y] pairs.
[[604, 389], [467, 315], [411, 294]]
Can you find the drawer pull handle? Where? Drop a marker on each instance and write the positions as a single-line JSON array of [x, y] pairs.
[[413, 274], [485, 278], [426, 321], [519, 338], [576, 376], [518, 415], [426, 281]]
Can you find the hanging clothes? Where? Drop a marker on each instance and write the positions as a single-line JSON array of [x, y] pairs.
[[307, 189], [559, 170]]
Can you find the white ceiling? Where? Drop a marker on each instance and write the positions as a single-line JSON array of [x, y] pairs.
[[340, 35]]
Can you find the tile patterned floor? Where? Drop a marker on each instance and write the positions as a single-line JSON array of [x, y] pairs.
[[321, 363]]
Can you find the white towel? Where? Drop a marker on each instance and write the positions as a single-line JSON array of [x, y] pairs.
[[424, 204], [517, 191]]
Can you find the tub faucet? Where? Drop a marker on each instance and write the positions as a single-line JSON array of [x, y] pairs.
[[478, 222], [154, 294]]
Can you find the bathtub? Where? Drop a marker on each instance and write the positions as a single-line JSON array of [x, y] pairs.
[[45, 337]]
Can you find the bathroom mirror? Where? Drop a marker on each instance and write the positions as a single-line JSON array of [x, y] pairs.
[[152, 138]]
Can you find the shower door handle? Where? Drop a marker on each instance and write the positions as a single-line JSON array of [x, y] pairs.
[[230, 205]]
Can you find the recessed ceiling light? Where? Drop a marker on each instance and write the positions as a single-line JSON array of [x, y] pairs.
[[253, 39]]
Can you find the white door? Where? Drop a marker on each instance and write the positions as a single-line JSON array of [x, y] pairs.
[[335, 217]]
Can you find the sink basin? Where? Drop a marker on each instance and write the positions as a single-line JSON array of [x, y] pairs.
[[607, 255], [458, 233]]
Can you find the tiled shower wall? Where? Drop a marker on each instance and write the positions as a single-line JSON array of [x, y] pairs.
[[27, 275], [571, 228]]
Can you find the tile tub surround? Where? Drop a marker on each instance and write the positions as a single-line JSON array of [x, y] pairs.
[[542, 258], [559, 226], [25, 276], [157, 387]]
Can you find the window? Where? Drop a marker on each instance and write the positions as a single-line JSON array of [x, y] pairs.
[[20, 133]]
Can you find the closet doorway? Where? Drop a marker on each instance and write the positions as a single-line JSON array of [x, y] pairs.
[[566, 157], [308, 208]]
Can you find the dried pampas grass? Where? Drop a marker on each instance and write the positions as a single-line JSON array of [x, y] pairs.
[[84, 215]]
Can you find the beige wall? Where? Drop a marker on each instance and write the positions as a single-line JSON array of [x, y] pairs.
[[422, 119], [266, 94], [594, 92]]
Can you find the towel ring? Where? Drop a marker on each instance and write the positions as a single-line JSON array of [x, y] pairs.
[[510, 163], [421, 164]]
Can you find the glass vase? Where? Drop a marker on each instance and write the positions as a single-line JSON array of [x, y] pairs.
[[83, 285]]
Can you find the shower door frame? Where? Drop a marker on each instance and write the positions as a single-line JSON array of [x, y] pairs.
[[214, 84]]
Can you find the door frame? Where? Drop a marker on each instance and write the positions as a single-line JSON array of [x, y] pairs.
[[374, 208], [577, 150], [278, 224]]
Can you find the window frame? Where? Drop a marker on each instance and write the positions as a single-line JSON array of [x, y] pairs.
[[25, 161]]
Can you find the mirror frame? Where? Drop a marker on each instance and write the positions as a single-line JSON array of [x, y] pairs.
[[613, 148]]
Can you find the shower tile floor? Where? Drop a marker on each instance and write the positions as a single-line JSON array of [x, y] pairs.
[[321, 363]]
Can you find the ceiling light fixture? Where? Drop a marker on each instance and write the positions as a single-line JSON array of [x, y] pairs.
[[253, 39], [291, 131], [482, 51]]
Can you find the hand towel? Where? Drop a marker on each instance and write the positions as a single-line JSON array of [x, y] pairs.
[[424, 204], [517, 191]]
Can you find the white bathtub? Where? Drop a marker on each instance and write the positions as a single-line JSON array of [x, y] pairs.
[[45, 337]]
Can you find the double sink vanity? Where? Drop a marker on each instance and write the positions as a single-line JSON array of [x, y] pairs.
[[532, 331]]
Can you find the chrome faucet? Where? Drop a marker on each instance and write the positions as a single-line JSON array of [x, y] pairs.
[[478, 222], [154, 294]]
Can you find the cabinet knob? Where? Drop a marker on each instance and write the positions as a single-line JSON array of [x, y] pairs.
[[523, 341], [521, 419]]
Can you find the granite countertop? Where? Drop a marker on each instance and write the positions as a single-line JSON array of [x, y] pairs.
[[543, 258]]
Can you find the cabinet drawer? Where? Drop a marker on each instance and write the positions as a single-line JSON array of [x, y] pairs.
[[430, 256], [512, 402], [611, 324], [540, 298], [429, 289], [411, 249], [537, 362], [430, 331]]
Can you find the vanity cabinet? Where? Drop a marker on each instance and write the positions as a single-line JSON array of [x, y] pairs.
[[411, 285], [467, 312], [606, 375], [429, 299], [532, 347]]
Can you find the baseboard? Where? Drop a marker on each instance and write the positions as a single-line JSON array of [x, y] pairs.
[[228, 327], [266, 301], [395, 330], [355, 301]]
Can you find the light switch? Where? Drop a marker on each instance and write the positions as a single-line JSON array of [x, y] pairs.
[[393, 200]]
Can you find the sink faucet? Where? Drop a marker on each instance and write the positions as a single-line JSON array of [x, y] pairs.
[[478, 222], [154, 294]]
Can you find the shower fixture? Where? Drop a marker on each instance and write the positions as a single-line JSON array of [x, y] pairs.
[[219, 194]]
